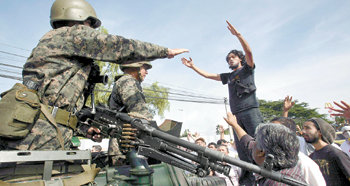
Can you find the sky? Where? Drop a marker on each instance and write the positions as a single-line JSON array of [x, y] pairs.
[[300, 48]]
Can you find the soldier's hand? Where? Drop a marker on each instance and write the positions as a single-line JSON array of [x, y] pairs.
[[93, 133], [187, 63], [174, 52]]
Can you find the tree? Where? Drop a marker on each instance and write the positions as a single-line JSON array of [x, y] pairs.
[[217, 131], [299, 112], [157, 99]]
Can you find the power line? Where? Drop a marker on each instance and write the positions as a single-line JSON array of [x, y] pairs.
[[1, 57], [188, 95], [186, 100], [9, 53], [178, 88], [1, 43], [176, 98], [3, 64], [11, 77], [201, 100], [9, 71]]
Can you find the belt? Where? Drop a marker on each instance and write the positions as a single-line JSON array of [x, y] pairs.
[[63, 117]]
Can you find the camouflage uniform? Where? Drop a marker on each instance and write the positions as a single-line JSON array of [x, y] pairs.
[[61, 64], [126, 96]]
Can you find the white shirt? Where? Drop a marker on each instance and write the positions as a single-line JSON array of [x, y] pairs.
[[313, 175], [345, 147], [336, 146], [304, 147]]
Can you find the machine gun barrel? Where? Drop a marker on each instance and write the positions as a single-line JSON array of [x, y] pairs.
[[209, 153]]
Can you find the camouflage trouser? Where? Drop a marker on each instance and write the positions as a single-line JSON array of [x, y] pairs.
[[43, 136], [116, 156]]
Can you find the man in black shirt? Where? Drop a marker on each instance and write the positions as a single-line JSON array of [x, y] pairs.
[[334, 163], [241, 86]]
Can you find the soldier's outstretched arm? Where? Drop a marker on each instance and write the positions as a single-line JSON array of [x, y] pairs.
[[117, 49], [174, 52], [244, 43], [189, 63]]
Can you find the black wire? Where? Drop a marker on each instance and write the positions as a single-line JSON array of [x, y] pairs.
[[3, 64], [1, 57], [188, 93], [9, 53], [181, 94], [11, 77], [9, 71], [174, 99], [14, 46], [184, 100]]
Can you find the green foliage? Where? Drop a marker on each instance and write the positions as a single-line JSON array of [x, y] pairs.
[[299, 112], [340, 120], [157, 99], [184, 134], [217, 132]]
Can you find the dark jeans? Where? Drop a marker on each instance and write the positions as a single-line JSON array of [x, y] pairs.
[[248, 120]]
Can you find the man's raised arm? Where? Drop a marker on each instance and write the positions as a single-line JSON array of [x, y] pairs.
[[189, 64], [244, 43]]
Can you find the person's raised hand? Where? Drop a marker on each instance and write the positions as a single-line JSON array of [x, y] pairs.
[[288, 103], [343, 112], [187, 63], [231, 119], [232, 29]]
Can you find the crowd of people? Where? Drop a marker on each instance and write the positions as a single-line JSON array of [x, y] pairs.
[[308, 154]]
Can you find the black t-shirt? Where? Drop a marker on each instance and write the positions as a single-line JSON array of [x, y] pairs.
[[334, 165], [241, 87]]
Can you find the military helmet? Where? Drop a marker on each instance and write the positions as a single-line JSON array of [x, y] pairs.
[[136, 65], [73, 10]]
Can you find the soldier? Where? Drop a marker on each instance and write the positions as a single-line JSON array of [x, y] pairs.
[[127, 96], [58, 68]]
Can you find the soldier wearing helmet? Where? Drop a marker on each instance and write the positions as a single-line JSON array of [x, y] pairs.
[[127, 95], [64, 11], [59, 67]]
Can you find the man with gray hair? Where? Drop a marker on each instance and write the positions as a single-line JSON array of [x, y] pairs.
[[271, 139]]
